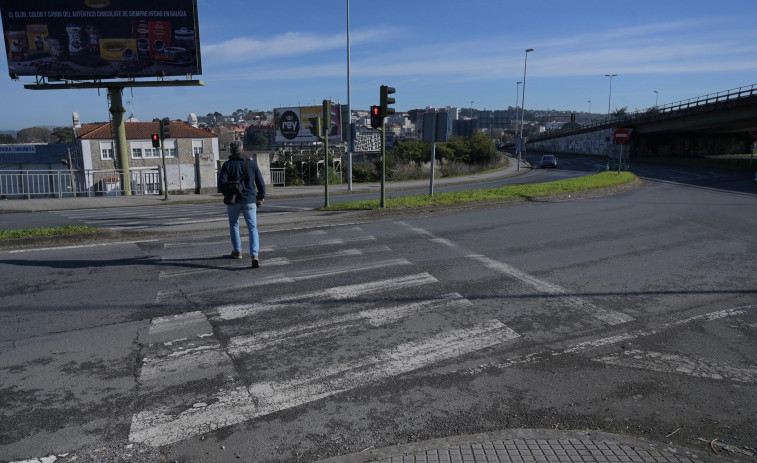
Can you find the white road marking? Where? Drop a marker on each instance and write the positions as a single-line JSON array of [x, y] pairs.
[[607, 316], [234, 311], [182, 272], [76, 246], [160, 325], [610, 317], [164, 426], [677, 364], [583, 346], [340, 325]]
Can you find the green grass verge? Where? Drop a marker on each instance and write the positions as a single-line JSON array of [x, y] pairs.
[[47, 231], [591, 182]]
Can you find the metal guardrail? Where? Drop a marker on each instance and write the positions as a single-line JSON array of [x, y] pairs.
[[28, 184], [724, 95], [278, 176]]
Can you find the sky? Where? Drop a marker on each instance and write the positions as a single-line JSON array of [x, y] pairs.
[[267, 54]]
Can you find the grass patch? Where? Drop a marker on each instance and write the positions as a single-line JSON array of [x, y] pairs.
[[47, 231], [591, 182]]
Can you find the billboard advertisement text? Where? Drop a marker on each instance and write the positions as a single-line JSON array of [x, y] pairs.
[[293, 124], [101, 39]]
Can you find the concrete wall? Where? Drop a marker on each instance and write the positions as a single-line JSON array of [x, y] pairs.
[[599, 143]]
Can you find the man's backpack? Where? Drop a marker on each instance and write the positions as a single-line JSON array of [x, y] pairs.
[[232, 188]]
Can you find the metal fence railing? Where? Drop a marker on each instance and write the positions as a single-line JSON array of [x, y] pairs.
[[278, 176], [29, 184], [655, 111]]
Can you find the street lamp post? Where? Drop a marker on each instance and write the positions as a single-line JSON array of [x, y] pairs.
[[523, 103], [656, 94], [351, 143], [609, 99], [517, 95], [589, 107]]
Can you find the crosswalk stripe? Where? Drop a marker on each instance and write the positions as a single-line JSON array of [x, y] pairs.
[[677, 364], [610, 317], [164, 426], [234, 311], [340, 324]]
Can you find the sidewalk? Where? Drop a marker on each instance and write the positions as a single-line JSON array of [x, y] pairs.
[[57, 204], [530, 445]]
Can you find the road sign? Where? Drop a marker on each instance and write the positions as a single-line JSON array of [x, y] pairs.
[[622, 135]]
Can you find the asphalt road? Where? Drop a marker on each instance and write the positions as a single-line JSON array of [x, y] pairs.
[[634, 313], [173, 215]]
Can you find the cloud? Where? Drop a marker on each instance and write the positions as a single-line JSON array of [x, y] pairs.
[[289, 44], [666, 47]]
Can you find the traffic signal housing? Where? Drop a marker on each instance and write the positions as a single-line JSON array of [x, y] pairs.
[[376, 118], [166, 129], [155, 140], [386, 100]]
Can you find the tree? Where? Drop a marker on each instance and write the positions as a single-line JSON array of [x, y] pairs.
[[620, 111], [482, 149], [6, 139], [460, 149], [33, 135], [416, 151], [61, 135], [258, 141]]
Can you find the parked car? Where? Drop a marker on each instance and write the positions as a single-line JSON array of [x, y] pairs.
[[548, 160]]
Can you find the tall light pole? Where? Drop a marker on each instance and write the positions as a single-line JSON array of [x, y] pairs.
[[656, 94], [589, 106], [471, 109], [351, 143], [609, 99], [523, 103], [517, 95]]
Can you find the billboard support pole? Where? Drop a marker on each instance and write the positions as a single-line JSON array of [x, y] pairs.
[[119, 130]]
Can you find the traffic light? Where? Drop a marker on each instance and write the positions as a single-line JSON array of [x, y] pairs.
[[327, 116], [386, 101], [376, 118], [155, 140], [315, 127]]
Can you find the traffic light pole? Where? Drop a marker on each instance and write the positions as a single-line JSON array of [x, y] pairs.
[[163, 157], [326, 128], [383, 163]]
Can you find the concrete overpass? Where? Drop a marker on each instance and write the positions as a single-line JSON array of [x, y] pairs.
[[718, 123]]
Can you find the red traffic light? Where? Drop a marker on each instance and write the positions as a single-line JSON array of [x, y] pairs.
[[155, 140], [376, 119]]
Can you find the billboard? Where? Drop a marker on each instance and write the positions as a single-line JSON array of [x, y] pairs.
[[101, 39], [292, 125]]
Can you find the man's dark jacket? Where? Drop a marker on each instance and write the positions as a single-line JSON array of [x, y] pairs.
[[232, 171]]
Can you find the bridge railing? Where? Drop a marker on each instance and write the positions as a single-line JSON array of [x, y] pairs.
[[731, 94], [724, 95]]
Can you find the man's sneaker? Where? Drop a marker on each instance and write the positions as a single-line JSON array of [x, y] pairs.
[[255, 262], [236, 254]]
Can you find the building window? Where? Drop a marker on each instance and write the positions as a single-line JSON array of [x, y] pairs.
[[107, 151], [136, 153], [197, 147], [170, 147], [151, 152]]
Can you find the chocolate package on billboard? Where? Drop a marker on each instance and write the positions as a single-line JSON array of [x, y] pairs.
[[85, 39]]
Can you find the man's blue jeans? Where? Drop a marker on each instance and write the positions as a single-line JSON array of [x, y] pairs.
[[249, 211]]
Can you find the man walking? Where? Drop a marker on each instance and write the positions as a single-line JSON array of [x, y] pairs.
[[241, 169]]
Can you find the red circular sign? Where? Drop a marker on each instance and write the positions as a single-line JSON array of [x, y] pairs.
[[622, 135]]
